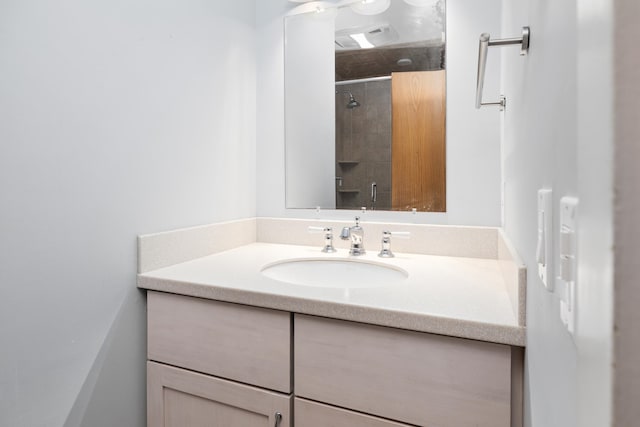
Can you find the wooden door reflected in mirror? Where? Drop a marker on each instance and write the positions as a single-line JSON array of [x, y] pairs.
[[418, 166]]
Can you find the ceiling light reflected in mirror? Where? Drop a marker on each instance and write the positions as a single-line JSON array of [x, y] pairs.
[[371, 7], [362, 41]]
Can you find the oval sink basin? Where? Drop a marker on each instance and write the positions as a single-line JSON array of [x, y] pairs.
[[335, 273]]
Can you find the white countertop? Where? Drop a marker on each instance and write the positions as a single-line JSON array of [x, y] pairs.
[[455, 296]]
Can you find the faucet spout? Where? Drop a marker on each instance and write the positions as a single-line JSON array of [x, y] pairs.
[[345, 233]]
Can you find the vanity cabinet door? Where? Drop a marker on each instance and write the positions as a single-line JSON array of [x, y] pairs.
[[313, 414], [413, 377], [181, 398], [247, 344]]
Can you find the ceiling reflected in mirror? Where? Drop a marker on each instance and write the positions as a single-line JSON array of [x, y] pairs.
[[401, 39]]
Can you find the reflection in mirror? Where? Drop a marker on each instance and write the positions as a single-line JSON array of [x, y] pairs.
[[365, 106]]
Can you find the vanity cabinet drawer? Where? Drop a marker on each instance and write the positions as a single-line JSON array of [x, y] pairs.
[[247, 344], [180, 398], [313, 414], [417, 378]]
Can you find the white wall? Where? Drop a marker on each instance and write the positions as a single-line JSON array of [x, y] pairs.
[[117, 118], [557, 134], [595, 187], [473, 137]]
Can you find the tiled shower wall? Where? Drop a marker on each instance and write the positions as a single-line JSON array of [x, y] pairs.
[[363, 145]]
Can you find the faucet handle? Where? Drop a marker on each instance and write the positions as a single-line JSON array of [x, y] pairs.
[[328, 237], [398, 234], [385, 252]]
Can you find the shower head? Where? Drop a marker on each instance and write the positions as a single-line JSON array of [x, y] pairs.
[[352, 101]]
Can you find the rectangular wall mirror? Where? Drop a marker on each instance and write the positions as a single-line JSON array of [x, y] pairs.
[[365, 115]]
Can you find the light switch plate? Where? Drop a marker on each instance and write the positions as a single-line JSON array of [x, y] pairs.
[[544, 249], [568, 261]]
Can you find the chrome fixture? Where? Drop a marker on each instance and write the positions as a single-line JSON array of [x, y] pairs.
[[356, 234], [485, 43], [374, 195], [352, 101], [368, 79], [328, 238], [278, 419], [385, 252]]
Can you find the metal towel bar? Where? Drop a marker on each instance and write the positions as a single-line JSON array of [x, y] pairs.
[[485, 42]]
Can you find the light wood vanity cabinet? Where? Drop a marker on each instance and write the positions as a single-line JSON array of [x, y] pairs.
[[216, 364], [224, 365], [181, 398], [246, 344], [314, 414], [412, 377]]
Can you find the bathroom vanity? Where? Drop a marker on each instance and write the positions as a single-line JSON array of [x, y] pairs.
[[231, 346]]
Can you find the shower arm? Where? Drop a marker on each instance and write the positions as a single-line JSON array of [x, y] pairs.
[[348, 92]]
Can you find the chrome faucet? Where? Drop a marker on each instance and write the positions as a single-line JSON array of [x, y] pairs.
[[356, 234], [385, 252], [328, 237]]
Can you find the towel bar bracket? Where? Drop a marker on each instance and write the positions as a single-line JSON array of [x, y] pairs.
[[502, 103], [522, 41], [485, 43]]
